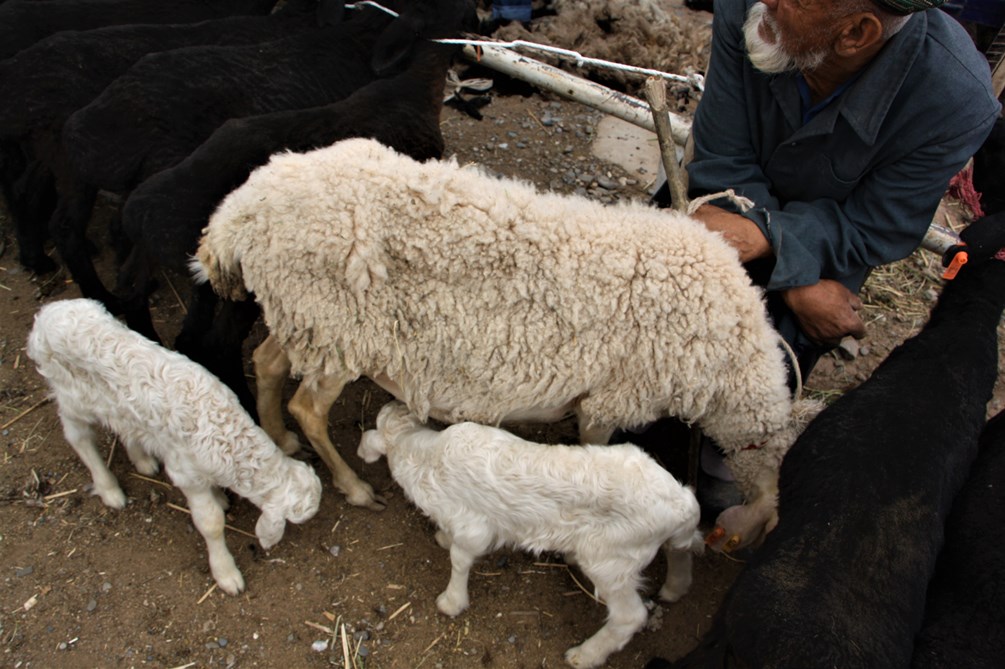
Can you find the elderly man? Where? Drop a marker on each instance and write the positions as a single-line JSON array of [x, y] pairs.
[[843, 121]]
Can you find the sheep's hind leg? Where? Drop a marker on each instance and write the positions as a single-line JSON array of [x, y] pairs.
[[310, 406], [626, 615], [455, 598], [272, 368], [209, 519], [80, 435], [679, 572]]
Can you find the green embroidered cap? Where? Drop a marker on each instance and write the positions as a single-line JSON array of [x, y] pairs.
[[908, 6]]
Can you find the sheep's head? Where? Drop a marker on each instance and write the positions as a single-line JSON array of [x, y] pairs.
[[756, 472], [296, 500]]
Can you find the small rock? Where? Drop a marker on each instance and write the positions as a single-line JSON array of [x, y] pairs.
[[607, 183], [24, 571], [335, 550], [222, 642], [92, 604], [320, 646], [848, 348], [63, 645]]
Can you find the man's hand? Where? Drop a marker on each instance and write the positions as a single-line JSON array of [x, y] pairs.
[[827, 311], [741, 233]]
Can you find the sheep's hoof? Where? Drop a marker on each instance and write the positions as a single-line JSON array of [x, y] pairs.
[[113, 498], [289, 443], [363, 495], [580, 658], [231, 582], [449, 606]]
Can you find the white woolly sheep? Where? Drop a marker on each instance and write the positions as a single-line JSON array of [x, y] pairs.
[[165, 408], [474, 298], [608, 509]]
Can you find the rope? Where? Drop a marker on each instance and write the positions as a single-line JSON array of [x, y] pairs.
[[363, 3], [743, 203], [696, 81]]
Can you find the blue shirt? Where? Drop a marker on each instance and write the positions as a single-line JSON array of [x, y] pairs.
[[856, 185]]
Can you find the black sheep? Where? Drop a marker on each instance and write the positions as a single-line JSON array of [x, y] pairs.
[[24, 22], [865, 492], [965, 611], [54, 77], [402, 112], [166, 104]]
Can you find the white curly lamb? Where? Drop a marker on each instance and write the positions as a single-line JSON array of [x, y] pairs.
[[607, 509], [166, 408], [475, 298]]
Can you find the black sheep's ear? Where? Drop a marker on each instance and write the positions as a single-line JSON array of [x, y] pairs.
[[330, 12], [985, 236], [395, 44]]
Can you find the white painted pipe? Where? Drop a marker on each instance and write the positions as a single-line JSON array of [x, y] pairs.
[[574, 88]]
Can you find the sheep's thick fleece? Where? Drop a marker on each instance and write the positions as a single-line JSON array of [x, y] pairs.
[[482, 297]]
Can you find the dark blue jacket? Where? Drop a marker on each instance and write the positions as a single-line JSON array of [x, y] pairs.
[[858, 185]]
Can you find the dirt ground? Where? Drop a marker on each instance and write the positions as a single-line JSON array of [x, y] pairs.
[[86, 586]]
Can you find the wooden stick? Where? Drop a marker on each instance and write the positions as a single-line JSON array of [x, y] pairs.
[[208, 593], [656, 94], [25, 413]]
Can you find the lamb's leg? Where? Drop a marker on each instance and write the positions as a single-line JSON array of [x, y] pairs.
[[80, 435], [310, 406], [209, 519], [145, 463], [454, 599], [272, 368], [626, 615], [679, 573]]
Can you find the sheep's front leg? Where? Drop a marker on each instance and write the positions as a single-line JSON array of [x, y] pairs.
[[626, 615], [454, 599], [81, 437], [272, 368], [310, 406], [209, 519]]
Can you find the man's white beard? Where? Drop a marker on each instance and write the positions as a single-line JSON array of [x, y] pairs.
[[772, 58]]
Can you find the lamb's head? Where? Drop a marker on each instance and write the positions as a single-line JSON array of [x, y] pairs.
[[371, 446], [756, 472], [392, 418], [296, 500]]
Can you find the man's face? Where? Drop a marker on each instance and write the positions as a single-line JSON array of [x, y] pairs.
[[788, 35]]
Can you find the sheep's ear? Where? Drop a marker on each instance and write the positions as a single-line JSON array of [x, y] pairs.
[[330, 12], [395, 44], [269, 529]]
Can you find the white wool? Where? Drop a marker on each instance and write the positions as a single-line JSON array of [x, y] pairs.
[[482, 299], [607, 508], [164, 408]]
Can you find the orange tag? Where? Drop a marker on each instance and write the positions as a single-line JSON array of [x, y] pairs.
[[958, 261]]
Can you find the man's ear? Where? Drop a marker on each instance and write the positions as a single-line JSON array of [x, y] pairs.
[[862, 33]]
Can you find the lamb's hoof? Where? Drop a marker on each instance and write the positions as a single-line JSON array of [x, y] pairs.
[[673, 593], [147, 466], [581, 658], [289, 443], [114, 498], [450, 606], [231, 582]]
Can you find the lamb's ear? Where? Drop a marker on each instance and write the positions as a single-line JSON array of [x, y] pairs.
[[395, 44], [330, 12], [269, 529]]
